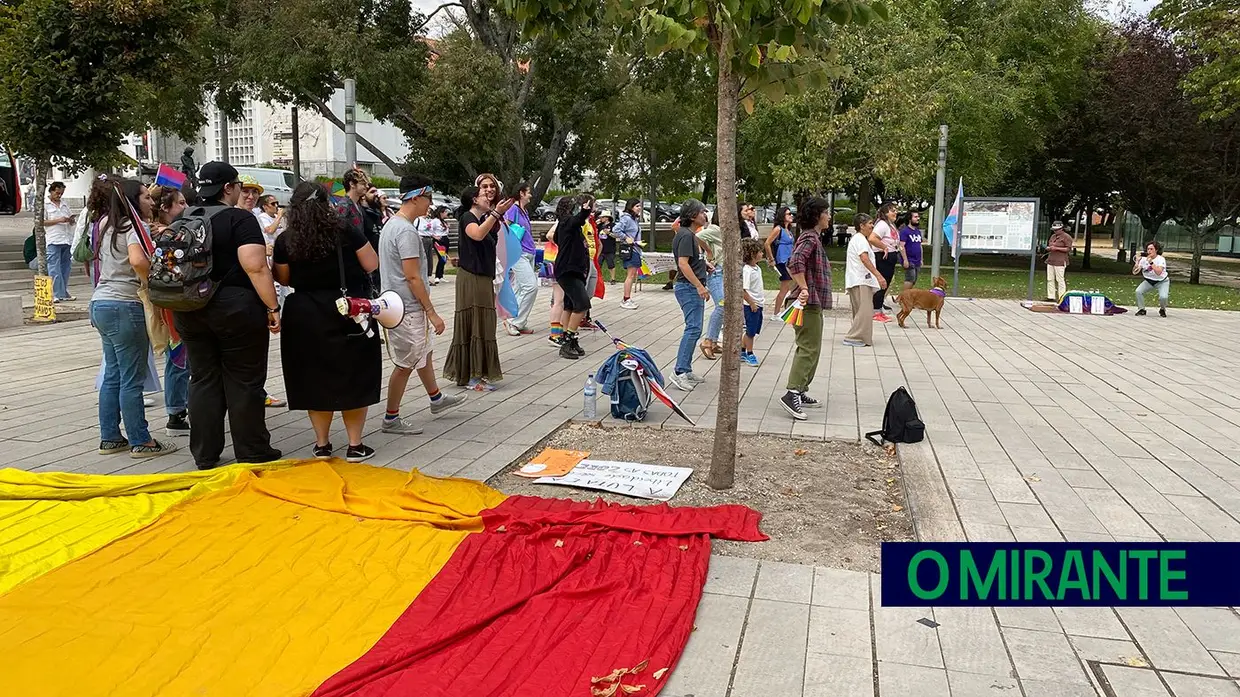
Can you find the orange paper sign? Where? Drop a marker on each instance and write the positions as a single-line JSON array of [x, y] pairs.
[[552, 463]]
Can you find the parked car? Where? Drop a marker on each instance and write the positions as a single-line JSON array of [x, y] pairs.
[[277, 182]]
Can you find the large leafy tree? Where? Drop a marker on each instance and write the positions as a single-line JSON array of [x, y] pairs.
[[757, 46], [76, 77], [1210, 31]]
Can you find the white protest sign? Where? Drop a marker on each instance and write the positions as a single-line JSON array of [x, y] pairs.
[[1076, 304], [628, 478], [1097, 304]]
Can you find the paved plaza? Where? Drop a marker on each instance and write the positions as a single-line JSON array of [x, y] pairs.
[[1040, 428]]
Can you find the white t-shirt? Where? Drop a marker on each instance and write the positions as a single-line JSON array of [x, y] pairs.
[[60, 233], [265, 221], [855, 273], [429, 227], [1148, 272], [889, 236], [752, 278]]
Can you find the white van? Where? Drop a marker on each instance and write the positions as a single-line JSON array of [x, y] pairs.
[[277, 182]]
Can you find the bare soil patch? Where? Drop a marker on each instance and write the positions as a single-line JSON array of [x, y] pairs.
[[827, 503]]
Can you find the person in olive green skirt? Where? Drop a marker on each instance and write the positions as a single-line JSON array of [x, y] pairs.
[[811, 270], [473, 358]]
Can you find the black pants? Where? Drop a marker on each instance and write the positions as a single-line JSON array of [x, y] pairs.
[[439, 263], [886, 267], [227, 346]]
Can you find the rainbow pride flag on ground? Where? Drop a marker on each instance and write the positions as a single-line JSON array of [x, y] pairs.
[[326, 579]]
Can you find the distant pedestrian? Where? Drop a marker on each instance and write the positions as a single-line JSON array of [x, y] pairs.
[[690, 289], [748, 217], [910, 237], [251, 190], [778, 250], [888, 255], [1057, 249], [116, 314], [331, 363], [524, 275], [861, 281], [437, 223], [1153, 270], [607, 260], [473, 357], [628, 235], [712, 237], [404, 268], [755, 296], [58, 223], [227, 341], [811, 269]]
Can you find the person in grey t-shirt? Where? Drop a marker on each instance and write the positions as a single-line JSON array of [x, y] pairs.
[[404, 268]]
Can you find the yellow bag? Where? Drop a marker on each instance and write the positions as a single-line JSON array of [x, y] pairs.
[[156, 329]]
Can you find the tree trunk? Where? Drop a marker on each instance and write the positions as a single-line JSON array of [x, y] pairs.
[[708, 185], [41, 169], [1199, 244], [1089, 236], [865, 196], [327, 113], [222, 122], [652, 190], [723, 455], [559, 138]]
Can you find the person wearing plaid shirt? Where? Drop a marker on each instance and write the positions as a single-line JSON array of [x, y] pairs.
[[811, 270]]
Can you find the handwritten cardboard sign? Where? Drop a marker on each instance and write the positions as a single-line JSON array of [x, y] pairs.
[[656, 482], [44, 309]]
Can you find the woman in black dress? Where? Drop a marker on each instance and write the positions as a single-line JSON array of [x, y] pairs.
[[330, 362]]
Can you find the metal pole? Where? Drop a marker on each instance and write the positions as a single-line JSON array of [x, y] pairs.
[[350, 124], [296, 145], [222, 122], [936, 225]]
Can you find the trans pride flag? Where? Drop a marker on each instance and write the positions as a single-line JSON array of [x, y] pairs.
[[951, 222], [325, 578]]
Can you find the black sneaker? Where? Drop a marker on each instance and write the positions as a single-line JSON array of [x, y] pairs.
[[575, 342], [323, 452], [111, 447], [159, 448], [791, 402], [178, 424], [1141, 312], [556, 340], [359, 453], [567, 351], [1162, 312], [809, 402]]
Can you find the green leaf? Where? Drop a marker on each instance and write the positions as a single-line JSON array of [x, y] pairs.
[[755, 57]]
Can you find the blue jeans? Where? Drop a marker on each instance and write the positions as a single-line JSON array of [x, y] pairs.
[[59, 266], [1163, 288], [714, 283], [693, 307], [176, 384], [122, 326]]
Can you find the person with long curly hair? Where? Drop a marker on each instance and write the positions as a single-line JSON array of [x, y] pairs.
[[118, 208], [169, 204], [331, 362]]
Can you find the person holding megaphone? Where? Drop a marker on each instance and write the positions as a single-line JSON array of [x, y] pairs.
[[332, 358]]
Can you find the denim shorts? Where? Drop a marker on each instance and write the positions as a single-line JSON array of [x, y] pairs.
[[910, 274], [753, 321]]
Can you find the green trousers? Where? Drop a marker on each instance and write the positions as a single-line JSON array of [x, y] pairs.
[[809, 348]]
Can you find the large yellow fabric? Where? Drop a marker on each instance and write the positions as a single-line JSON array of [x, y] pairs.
[[48, 519], [267, 587]]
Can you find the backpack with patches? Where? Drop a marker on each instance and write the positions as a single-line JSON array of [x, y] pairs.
[[181, 263], [631, 398], [901, 424]]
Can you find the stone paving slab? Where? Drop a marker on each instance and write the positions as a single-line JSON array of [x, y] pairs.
[[1039, 427]]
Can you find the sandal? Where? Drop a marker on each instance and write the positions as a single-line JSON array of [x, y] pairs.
[[708, 350]]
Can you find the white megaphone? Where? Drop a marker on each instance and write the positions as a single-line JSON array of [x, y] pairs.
[[387, 309]]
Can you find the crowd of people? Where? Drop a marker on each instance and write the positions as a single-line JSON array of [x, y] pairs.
[[291, 272]]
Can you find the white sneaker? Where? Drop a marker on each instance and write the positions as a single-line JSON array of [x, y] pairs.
[[682, 382], [628, 305], [401, 427], [511, 330], [694, 378]]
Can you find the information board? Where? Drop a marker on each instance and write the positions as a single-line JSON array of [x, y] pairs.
[[999, 225]]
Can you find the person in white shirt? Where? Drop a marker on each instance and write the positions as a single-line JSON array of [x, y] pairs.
[[1153, 271], [888, 252], [861, 281], [752, 251], [430, 229], [58, 221]]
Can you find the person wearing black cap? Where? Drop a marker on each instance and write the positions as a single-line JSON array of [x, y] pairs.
[[227, 340]]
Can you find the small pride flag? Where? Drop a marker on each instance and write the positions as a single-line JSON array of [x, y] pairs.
[[167, 176], [442, 251], [793, 314]]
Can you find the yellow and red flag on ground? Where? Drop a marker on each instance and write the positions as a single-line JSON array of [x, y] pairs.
[[332, 579]]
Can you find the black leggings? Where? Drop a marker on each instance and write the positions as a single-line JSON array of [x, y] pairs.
[[886, 267]]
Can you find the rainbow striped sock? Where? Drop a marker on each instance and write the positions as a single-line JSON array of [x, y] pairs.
[[557, 329]]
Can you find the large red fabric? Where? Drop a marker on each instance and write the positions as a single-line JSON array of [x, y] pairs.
[[553, 594]]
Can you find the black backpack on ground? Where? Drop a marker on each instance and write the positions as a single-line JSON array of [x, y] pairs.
[[901, 424], [180, 275]]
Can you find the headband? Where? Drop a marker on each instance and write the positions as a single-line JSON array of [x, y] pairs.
[[420, 191]]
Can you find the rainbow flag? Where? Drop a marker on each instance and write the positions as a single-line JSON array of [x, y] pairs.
[[325, 578], [442, 251], [794, 314], [167, 176]]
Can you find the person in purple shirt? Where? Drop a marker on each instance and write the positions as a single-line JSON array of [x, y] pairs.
[[910, 237], [524, 275]]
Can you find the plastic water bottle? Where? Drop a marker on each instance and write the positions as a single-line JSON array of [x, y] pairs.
[[590, 411]]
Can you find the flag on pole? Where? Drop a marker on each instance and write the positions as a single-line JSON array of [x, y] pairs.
[[951, 223], [167, 176]]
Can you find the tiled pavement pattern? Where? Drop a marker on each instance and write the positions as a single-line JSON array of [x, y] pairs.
[[1040, 427]]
